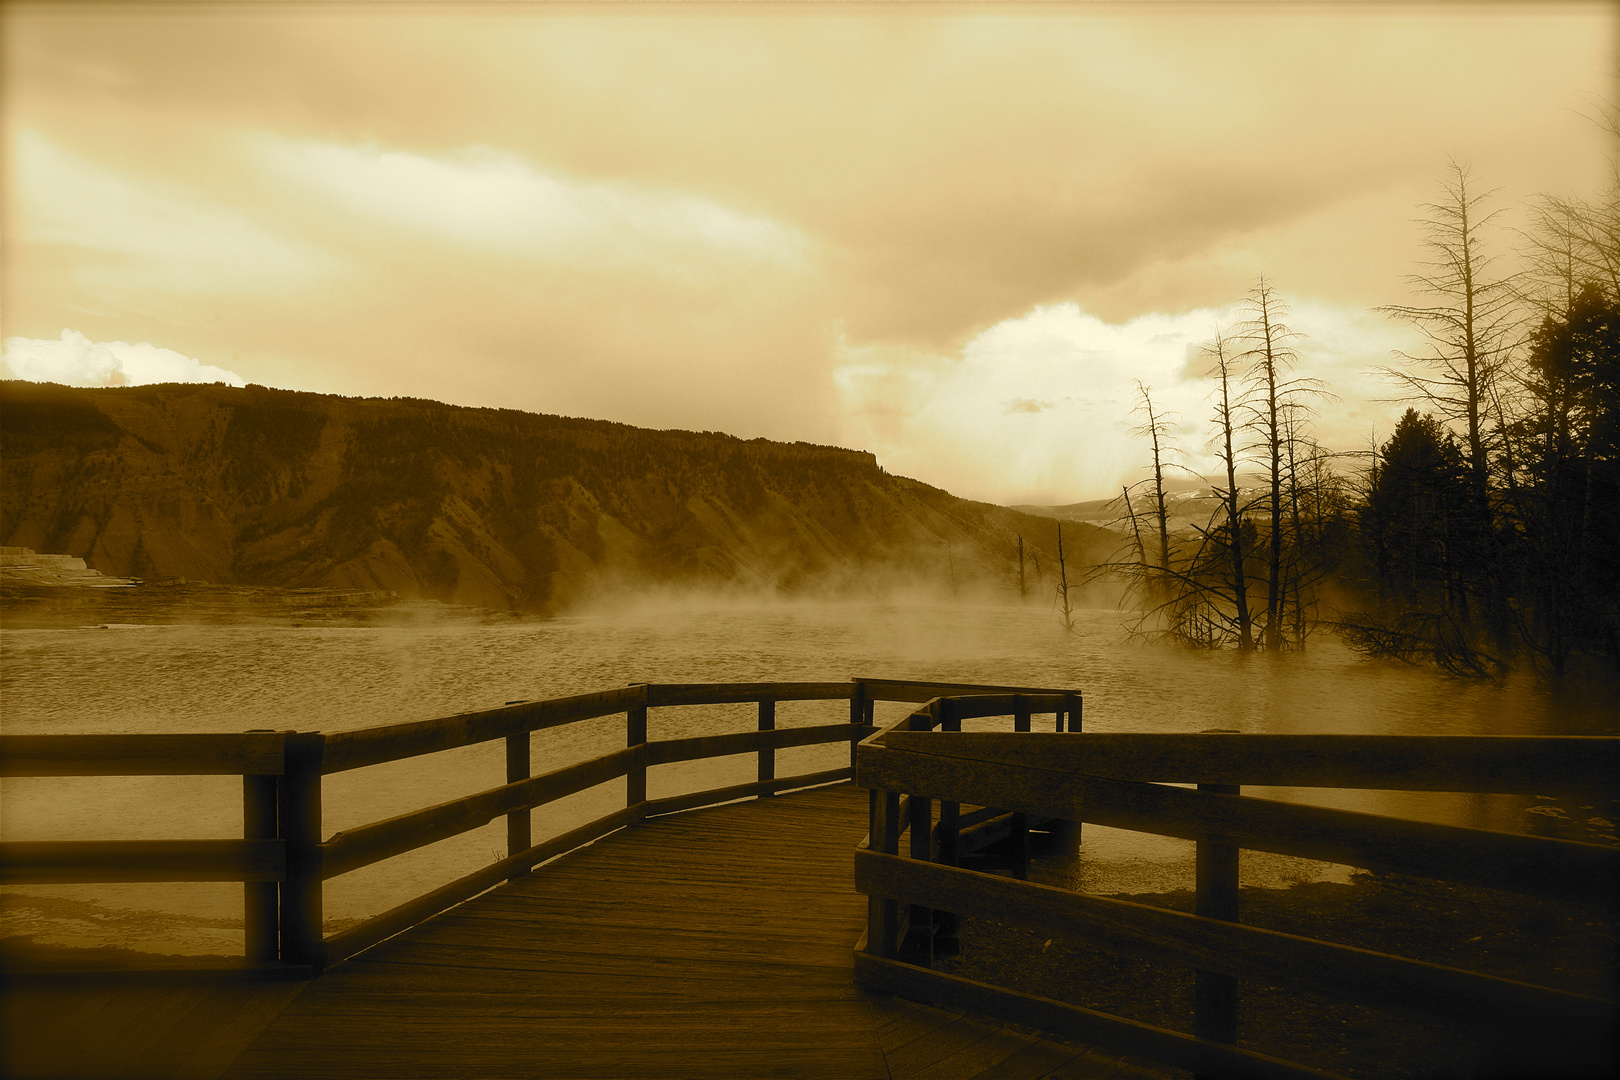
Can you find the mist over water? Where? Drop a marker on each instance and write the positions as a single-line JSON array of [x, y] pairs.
[[178, 678]]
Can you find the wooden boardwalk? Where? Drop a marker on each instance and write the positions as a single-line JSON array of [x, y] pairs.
[[715, 943], [709, 944], [718, 943]]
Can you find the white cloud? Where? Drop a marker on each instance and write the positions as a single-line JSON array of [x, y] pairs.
[[156, 237], [75, 360], [1040, 408], [499, 202]]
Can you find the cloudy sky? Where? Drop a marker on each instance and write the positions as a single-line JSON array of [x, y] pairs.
[[953, 235]]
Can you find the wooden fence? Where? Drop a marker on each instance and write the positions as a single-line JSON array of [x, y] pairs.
[[283, 860], [1122, 781]]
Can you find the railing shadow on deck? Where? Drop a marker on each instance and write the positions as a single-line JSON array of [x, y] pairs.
[[283, 860], [923, 767]]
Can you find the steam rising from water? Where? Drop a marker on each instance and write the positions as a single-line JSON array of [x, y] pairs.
[[336, 677]]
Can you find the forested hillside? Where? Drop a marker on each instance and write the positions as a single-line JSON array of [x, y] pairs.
[[490, 507]]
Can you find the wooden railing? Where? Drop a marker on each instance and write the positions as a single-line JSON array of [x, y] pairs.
[[1122, 781], [260, 859], [283, 860]]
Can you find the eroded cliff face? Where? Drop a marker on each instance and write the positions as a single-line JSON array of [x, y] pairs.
[[487, 507]]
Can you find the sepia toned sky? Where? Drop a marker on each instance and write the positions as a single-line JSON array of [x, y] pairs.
[[954, 235]]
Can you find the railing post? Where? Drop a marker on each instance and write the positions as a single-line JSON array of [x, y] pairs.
[[298, 806], [767, 754], [1020, 822], [921, 936], [635, 734], [882, 913], [262, 931], [950, 813], [1214, 994], [518, 823], [946, 924], [858, 713], [1072, 706]]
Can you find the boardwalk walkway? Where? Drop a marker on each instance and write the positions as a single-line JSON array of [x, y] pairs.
[[714, 943]]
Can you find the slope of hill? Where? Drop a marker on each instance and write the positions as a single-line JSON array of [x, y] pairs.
[[494, 508], [1185, 509]]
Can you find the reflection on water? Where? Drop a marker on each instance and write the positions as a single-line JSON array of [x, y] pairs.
[[332, 678]]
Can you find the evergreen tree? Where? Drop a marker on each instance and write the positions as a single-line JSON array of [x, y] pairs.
[[1569, 507]]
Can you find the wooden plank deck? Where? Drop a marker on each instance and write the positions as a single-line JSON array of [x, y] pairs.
[[132, 1026], [714, 943]]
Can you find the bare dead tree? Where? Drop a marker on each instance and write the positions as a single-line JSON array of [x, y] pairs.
[[1272, 392], [1063, 583], [1225, 424], [1472, 327], [1574, 241], [1571, 242], [1316, 496], [1157, 429], [1136, 526]]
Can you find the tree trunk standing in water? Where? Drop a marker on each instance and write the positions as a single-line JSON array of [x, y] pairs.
[[1468, 330], [1155, 429], [1316, 509], [1023, 589], [1234, 510], [1269, 397], [1299, 548], [1063, 582]]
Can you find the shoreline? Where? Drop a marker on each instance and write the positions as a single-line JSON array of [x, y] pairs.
[[67, 607]]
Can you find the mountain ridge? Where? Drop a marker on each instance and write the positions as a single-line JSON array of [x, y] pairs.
[[490, 507]]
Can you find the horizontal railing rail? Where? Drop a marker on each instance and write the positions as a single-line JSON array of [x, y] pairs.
[[1123, 781], [394, 742], [669, 751], [1540, 866], [1475, 763], [251, 754], [921, 692], [367, 844], [283, 860], [261, 860], [55, 862], [1483, 1002], [741, 693]]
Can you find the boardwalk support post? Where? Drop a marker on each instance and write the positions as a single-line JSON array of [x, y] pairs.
[[299, 808], [1216, 872], [858, 714], [883, 913], [519, 828], [767, 754], [1069, 830], [920, 936], [261, 925], [946, 925], [635, 734], [1020, 822]]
